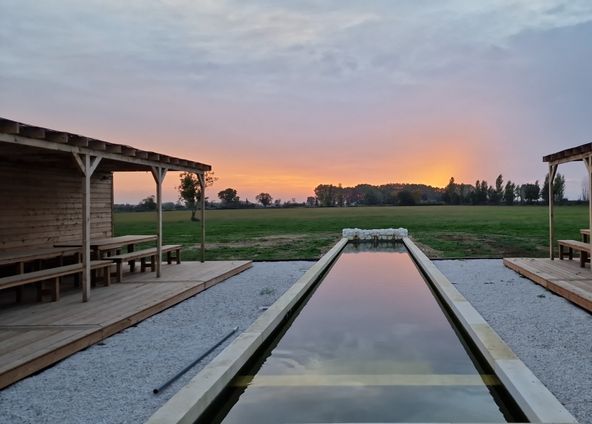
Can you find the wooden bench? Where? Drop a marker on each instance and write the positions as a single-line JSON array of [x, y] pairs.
[[53, 275], [143, 255], [574, 245]]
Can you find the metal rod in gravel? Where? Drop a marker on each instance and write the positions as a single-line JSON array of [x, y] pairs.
[[188, 367]]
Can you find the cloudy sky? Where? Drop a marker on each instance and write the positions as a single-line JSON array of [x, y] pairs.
[[280, 96]]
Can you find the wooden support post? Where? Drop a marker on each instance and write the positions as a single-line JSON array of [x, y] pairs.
[[588, 163], [158, 173], [552, 172], [87, 165], [202, 185]]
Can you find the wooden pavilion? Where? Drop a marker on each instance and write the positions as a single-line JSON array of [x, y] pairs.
[[568, 278], [57, 195], [57, 187]]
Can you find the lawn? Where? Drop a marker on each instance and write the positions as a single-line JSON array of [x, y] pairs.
[[441, 231]]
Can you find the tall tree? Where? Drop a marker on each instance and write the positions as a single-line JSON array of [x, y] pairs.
[[559, 188], [532, 192], [264, 198], [326, 193], [509, 193], [229, 196], [340, 196], [545, 190], [190, 190], [497, 193], [451, 195]]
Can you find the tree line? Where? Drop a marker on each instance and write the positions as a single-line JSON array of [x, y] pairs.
[[327, 195], [394, 194], [481, 193]]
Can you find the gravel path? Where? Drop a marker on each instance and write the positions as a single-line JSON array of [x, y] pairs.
[[112, 382], [552, 336]]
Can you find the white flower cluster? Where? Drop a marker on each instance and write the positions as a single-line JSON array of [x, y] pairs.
[[378, 234]]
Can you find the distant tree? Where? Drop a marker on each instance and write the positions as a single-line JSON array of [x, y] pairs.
[[229, 196], [545, 190], [519, 191], [326, 194], [339, 196], [311, 201], [190, 190], [532, 192], [496, 194], [264, 198], [277, 203], [406, 198], [509, 193], [148, 204], [450, 195], [559, 188]]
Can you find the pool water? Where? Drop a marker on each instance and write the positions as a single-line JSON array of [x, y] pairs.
[[371, 344]]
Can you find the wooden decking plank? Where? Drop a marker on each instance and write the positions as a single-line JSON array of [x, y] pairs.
[[563, 277], [33, 337]]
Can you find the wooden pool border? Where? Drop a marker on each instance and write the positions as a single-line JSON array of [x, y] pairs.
[[535, 400]]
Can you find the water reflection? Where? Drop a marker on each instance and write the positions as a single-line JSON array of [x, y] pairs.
[[373, 314]]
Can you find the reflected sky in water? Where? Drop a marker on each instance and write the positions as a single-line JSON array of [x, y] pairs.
[[373, 314]]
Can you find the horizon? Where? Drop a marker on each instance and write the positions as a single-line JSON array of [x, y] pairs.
[[279, 98]]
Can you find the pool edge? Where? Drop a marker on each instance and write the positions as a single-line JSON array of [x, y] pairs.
[[536, 401], [193, 399]]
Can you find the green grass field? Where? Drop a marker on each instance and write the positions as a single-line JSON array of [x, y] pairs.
[[441, 231]]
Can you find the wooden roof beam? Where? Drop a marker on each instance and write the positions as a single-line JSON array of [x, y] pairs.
[[78, 140], [9, 127], [33, 132], [57, 137]]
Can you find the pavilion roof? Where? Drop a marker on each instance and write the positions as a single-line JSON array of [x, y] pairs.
[[569, 155], [44, 144]]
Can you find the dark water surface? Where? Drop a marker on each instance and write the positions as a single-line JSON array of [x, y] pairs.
[[372, 344]]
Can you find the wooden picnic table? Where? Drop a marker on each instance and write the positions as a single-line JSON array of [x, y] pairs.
[[21, 256], [585, 232], [106, 246]]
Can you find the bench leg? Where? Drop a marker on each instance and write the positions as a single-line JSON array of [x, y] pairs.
[[55, 295], [132, 265], [39, 286], [169, 257], [107, 275], [570, 254], [561, 252], [153, 263], [119, 275], [143, 264], [178, 255], [583, 259]]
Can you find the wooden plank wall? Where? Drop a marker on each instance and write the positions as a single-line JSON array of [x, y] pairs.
[[40, 206]]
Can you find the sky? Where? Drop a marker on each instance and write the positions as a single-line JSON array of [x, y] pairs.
[[281, 96]]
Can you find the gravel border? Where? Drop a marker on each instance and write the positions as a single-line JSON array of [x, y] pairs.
[[112, 381], [551, 335]]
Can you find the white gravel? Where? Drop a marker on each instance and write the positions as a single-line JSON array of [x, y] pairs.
[[552, 336], [112, 382]]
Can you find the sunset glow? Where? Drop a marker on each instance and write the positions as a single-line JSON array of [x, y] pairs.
[[281, 97]]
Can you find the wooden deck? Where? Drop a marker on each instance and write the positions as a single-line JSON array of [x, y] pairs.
[[35, 336], [564, 277]]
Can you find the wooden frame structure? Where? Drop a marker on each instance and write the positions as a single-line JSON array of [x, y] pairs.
[[574, 154], [88, 155]]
